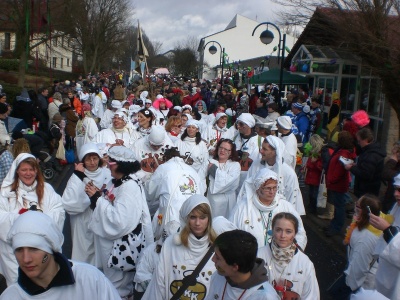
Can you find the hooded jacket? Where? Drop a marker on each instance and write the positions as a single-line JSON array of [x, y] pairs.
[[256, 287], [368, 170]]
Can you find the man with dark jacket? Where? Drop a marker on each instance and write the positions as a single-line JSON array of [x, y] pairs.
[[369, 166], [240, 274]]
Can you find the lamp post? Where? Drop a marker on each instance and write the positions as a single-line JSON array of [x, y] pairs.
[[214, 50], [266, 38]]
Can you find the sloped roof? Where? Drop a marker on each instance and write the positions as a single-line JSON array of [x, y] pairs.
[[316, 32], [232, 23]]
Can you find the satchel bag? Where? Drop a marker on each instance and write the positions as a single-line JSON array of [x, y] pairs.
[[126, 250], [60, 151], [322, 192], [191, 279]]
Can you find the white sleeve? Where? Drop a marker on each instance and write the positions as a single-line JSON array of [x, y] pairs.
[[53, 207], [226, 180], [310, 289], [74, 198], [112, 221], [391, 252], [7, 217], [359, 266], [156, 288]]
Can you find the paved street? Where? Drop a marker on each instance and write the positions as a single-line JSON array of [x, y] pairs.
[[327, 254]]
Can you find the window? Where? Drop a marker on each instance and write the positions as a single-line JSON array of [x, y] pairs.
[[7, 41], [62, 41], [54, 43], [61, 62], [67, 62], [54, 62]]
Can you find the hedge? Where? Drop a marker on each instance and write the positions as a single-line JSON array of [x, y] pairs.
[[9, 64], [12, 91]]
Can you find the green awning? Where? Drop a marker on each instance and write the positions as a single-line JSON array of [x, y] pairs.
[[272, 76]]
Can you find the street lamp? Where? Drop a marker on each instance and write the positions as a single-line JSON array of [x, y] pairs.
[[266, 38], [214, 50]]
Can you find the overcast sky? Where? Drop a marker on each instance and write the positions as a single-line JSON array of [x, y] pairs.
[[171, 21]]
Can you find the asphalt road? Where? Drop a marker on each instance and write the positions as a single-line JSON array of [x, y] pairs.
[[327, 254]]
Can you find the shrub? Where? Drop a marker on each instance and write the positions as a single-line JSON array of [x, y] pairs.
[[9, 64], [12, 91]]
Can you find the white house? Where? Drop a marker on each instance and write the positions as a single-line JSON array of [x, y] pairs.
[[56, 53], [238, 43]]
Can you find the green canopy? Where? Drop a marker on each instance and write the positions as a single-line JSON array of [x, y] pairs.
[[272, 76]]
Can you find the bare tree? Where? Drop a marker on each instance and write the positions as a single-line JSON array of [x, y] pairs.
[[30, 22], [370, 29], [98, 28]]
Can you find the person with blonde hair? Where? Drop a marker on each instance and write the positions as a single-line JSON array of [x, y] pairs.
[[183, 251], [24, 189]]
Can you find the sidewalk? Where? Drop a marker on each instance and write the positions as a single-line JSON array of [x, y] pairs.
[[318, 224]]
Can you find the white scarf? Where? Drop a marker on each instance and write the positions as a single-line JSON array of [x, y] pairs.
[[98, 177], [262, 207], [197, 247], [216, 127]]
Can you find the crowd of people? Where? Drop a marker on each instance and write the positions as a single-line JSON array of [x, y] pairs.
[[182, 187]]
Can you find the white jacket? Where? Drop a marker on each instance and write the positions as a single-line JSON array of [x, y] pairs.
[[222, 189], [86, 130], [288, 183], [170, 185], [90, 283], [177, 262], [388, 274], [252, 148], [299, 274], [290, 153], [247, 216], [53, 109], [108, 136], [360, 253], [112, 221], [106, 120], [9, 208], [149, 158], [212, 134], [199, 154], [76, 202]]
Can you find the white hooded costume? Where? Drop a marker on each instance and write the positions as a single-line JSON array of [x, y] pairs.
[[253, 216], [112, 219], [222, 187], [110, 135], [213, 133], [288, 183], [148, 157], [11, 202], [76, 202], [197, 152], [169, 187], [178, 261]]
